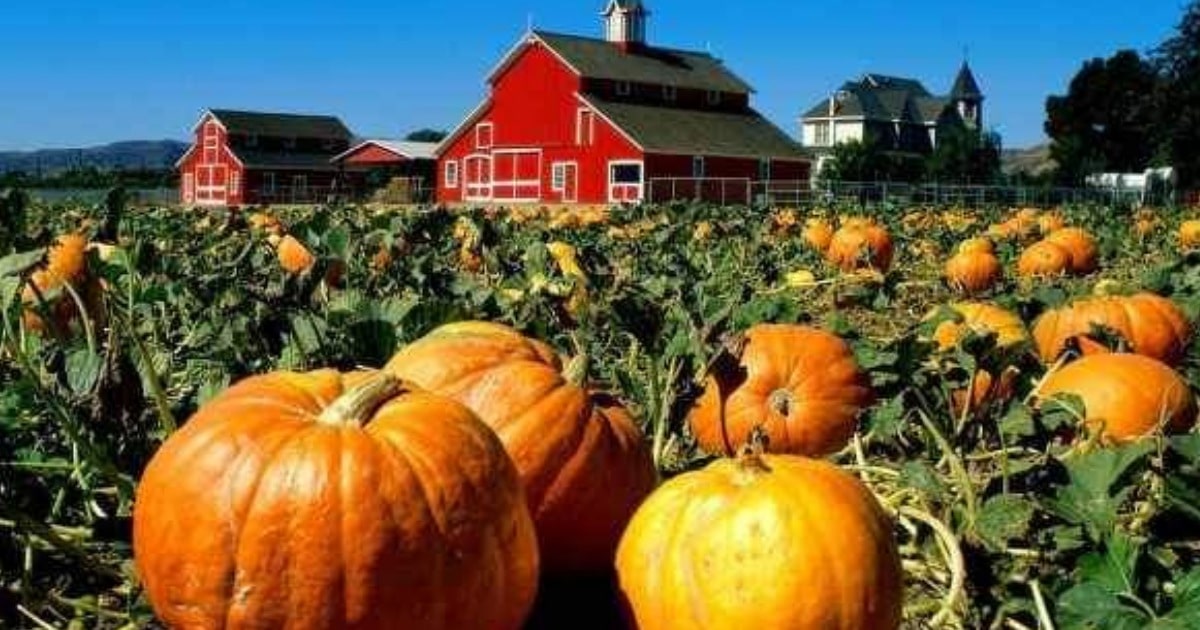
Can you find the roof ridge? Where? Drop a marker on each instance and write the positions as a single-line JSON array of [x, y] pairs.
[[651, 47]]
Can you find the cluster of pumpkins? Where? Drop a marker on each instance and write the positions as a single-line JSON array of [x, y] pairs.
[[436, 492]]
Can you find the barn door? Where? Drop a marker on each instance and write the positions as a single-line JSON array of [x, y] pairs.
[[516, 175], [477, 180]]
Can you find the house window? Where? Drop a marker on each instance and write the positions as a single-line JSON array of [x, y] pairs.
[[483, 135], [451, 174], [698, 167], [585, 127], [212, 140], [821, 135], [624, 182], [713, 97], [558, 176], [299, 182], [189, 187], [670, 93], [624, 88], [268, 183], [764, 169]]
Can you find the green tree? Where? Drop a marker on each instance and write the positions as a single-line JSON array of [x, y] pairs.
[[857, 161], [426, 135], [1178, 59], [963, 156], [1107, 120]]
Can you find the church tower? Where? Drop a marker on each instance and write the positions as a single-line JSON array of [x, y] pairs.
[[625, 23], [968, 98]]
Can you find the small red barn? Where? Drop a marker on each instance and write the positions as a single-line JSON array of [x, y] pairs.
[[580, 120], [244, 158], [372, 165]]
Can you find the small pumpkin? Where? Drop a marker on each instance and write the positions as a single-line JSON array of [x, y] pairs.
[[1044, 260], [1081, 246], [1125, 396], [761, 541], [583, 461], [385, 508], [800, 385], [1189, 234], [818, 233], [1153, 325], [294, 257], [973, 272], [861, 245], [66, 266], [982, 319]]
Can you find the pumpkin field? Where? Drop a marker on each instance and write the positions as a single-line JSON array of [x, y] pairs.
[[650, 417]]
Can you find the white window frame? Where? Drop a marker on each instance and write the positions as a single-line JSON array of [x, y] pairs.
[[713, 97], [189, 187], [699, 167], [822, 129], [450, 172], [641, 185], [585, 134], [765, 166], [235, 182], [558, 176], [299, 182], [624, 88], [211, 143], [670, 93], [477, 191], [491, 135], [574, 166]]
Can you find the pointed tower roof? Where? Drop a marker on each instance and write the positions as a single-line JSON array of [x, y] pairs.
[[629, 6], [965, 86]]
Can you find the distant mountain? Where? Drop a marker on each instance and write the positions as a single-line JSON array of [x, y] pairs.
[[136, 154], [1033, 160]]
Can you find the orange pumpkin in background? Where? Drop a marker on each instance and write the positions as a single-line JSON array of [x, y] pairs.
[[861, 245], [1153, 325], [66, 266], [973, 272], [982, 319], [800, 385], [1081, 246], [1044, 260], [978, 245], [818, 234], [1050, 223], [584, 463], [752, 542], [324, 500], [294, 257], [1189, 234], [1125, 396]]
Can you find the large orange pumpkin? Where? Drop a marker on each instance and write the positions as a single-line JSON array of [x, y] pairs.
[[1081, 246], [1153, 325], [294, 257], [328, 501], [583, 462], [761, 541], [1125, 396], [1189, 234], [973, 272], [801, 385], [860, 244], [1043, 260], [982, 319], [978, 245], [818, 234]]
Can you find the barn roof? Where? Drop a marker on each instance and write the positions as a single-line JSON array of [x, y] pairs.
[[277, 125], [284, 161], [402, 148], [600, 59], [672, 130]]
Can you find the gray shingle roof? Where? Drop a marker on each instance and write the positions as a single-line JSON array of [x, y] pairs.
[[885, 98], [599, 59], [965, 85], [276, 125], [285, 161], [699, 132]]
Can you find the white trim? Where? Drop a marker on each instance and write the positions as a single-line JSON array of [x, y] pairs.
[[447, 181], [467, 186], [204, 115], [517, 183], [562, 164], [625, 134], [462, 127], [580, 113], [641, 185], [574, 180], [491, 135]]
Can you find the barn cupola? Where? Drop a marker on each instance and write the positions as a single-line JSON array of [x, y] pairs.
[[625, 23]]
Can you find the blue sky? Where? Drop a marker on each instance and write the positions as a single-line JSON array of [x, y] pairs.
[[83, 72]]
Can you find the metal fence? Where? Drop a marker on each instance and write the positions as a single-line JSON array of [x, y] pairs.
[[137, 196]]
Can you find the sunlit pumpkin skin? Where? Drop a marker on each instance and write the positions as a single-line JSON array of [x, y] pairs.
[[979, 245], [1125, 396], [277, 507], [856, 246], [66, 265], [583, 461], [779, 542], [983, 319], [1189, 234], [985, 390], [818, 233], [1080, 246], [1044, 260], [801, 385], [973, 272], [294, 257], [1153, 325], [1050, 223]]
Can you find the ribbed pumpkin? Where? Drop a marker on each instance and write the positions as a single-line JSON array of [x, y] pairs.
[[801, 385], [583, 462], [1050, 223], [1044, 260], [978, 245], [1189, 234], [860, 244], [1153, 325], [761, 541], [1080, 245], [818, 234], [294, 257], [983, 319], [1126, 396], [324, 500], [973, 272]]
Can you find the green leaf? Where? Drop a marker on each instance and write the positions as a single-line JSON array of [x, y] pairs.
[[1090, 606], [923, 478], [19, 263], [1089, 499], [886, 421], [1002, 519], [1115, 569], [1018, 423], [1187, 600], [83, 370]]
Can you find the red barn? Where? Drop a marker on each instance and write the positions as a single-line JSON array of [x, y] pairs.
[[580, 120], [242, 158], [373, 165]]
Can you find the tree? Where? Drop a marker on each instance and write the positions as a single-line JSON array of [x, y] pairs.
[[426, 135], [857, 161], [1178, 59], [963, 156], [1108, 118]]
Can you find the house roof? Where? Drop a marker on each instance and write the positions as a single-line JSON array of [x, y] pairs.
[[965, 85], [278, 125], [402, 148], [883, 98], [284, 161], [678, 131], [600, 59]]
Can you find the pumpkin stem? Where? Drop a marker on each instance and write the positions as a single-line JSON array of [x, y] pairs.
[[780, 401], [750, 459], [355, 407], [576, 372]]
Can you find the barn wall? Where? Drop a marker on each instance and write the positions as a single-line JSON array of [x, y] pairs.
[[216, 176], [372, 154]]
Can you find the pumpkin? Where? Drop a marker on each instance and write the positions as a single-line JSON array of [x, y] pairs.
[[66, 265], [859, 245], [982, 319], [294, 257], [1081, 247], [979, 245], [1125, 396], [1189, 234], [1043, 260], [818, 234], [800, 385], [1050, 223], [984, 390], [762, 541], [385, 508], [1145, 226], [1153, 325], [974, 272], [583, 462]]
